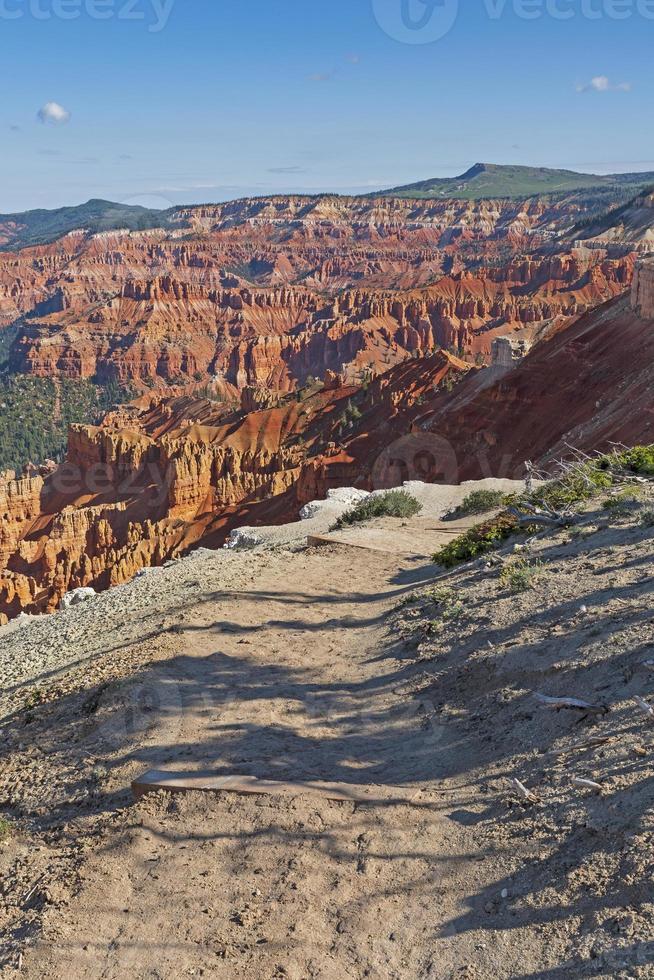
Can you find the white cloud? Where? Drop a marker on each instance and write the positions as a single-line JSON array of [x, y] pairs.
[[54, 114], [601, 83]]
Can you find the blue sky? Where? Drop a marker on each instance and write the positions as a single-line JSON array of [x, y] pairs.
[[175, 101]]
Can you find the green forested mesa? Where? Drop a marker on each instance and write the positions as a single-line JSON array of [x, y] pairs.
[[40, 226], [35, 414], [487, 180]]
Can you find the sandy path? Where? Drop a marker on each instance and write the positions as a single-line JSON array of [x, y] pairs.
[[290, 672], [286, 679]]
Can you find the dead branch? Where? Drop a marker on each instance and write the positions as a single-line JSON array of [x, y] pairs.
[[573, 704], [643, 705], [589, 743], [535, 518], [523, 793], [587, 784]]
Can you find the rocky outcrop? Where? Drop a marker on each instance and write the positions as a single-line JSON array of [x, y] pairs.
[[642, 292], [507, 352]]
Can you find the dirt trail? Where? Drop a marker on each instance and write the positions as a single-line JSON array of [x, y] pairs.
[[344, 664], [283, 679], [290, 677]]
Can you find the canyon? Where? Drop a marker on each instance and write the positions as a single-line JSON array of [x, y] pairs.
[[278, 348], [269, 292]]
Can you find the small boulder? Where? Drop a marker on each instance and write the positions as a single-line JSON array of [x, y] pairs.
[[76, 597], [243, 537]]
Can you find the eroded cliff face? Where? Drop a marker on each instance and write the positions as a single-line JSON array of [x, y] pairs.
[[267, 292], [162, 475], [167, 329], [179, 471]]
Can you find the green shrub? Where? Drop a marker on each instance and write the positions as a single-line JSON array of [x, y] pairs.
[[450, 605], [477, 541], [520, 575], [622, 503], [479, 502], [579, 485], [647, 518], [6, 828], [639, 460], [582, 483], [394, 503]]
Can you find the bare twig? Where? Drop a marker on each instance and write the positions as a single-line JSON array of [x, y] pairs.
[[36, 884], [589, 743]]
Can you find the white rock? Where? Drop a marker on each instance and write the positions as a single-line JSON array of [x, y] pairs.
[[311, 510], [76, 597], [243, 537], [347, 495], [343, 497]]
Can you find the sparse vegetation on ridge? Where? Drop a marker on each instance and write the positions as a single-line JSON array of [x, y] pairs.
[[580, 482], [478, 502], [394, 503]]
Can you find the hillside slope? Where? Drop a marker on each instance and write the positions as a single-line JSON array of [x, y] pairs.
[[487, 180], [633, 222], [586, 386]]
